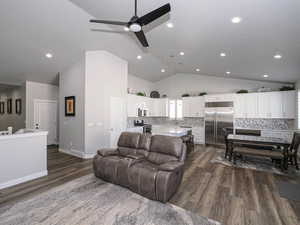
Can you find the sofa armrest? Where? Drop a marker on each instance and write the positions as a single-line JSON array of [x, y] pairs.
[[171, 166], [107, 151]]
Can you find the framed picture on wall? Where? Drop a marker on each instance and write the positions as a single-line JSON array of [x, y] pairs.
[[19, 106], [70, 106], [9, 106], [2, 107]]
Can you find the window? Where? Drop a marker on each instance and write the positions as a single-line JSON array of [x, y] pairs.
[[175, 109]]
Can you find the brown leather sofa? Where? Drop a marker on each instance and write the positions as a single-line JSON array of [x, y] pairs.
[[148, 165]]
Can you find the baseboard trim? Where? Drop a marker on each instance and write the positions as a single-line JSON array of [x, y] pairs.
[[23, 179], [77, 153]]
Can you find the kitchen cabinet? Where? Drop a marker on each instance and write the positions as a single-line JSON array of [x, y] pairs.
[[246, 105], [134, 103], [266, 105], [199, 135], [155, 107], [270, 105], [220, 98], [193, 106], [159, 107], [289, 101]]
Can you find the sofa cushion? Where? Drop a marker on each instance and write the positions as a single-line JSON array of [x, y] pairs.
[[167, 145], [107, 151], [129, 140], [144, 144], [165, 149], [124, 151], [159, 158]]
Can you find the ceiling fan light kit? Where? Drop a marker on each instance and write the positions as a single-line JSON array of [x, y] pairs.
[[136, 23]]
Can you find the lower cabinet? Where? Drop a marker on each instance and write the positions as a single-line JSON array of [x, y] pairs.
[[199, 135]]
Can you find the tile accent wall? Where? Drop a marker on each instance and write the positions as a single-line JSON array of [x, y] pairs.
[[265, 124], [195, 121]]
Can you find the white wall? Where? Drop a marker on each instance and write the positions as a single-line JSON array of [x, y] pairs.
[[137, 84], [106, 77], [72, 83], [17, 121], [93, 81], [179, 84], [34, 91]]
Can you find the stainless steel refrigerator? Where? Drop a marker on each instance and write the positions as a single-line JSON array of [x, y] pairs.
[[218, 115]]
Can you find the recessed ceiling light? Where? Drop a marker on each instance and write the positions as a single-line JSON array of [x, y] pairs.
[[49, 55], [181, 53], [277, 56], [139, 57], [228, 72], [236, 19], [126, 28], [170, 25], [163, 70], [223, 54], [198, 70], [265, 75]]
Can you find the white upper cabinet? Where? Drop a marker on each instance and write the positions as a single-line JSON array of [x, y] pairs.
[[289, 99], [160, 107], [220, 98], [246, 105], [193, 106], [155, 107], [186, 107], [268, 105]]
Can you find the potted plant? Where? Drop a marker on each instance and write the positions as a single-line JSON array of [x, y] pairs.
[[287, 88], [242, 91], [141, 94], [185, 95]]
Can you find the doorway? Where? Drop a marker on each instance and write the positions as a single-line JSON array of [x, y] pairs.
[[45, 118]]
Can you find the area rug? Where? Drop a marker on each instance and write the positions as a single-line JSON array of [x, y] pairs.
[[289, 190], [254, 163], [91, 201]]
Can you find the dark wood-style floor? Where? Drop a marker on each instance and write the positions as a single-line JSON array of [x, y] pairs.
[[234, 196], [229, 195]]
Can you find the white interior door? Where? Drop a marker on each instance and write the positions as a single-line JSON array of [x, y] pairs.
[[118, 119], [45, 118]]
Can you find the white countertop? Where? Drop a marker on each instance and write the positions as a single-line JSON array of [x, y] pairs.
[[170, 130], [27, 133]]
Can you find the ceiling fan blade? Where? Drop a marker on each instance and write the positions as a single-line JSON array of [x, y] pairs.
[[109, 22], [150, 17], [142, 38]]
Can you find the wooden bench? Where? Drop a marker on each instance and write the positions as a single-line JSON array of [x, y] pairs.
[[273, 154]]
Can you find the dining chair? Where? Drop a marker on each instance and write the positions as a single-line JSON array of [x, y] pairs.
[[293, 150], [227, 131]]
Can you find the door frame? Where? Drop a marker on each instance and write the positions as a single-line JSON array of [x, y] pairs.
[[35, 101]]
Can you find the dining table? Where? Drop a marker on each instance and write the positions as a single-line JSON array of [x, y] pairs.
[[281, 143]]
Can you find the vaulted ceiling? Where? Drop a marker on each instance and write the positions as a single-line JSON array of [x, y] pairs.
[[202, 30]]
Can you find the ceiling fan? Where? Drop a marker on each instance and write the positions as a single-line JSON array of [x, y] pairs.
[[136, 23]]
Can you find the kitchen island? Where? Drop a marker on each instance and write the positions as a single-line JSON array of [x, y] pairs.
[[23, 157], [175, 131]]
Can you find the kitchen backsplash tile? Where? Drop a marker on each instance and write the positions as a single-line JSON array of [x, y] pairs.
[[265, 124], [260, 124], [194, 122]]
